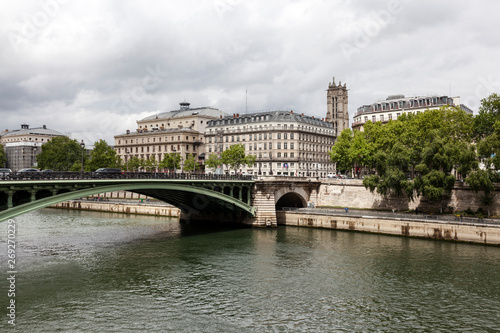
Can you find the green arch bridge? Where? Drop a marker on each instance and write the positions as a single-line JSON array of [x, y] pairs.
[[208, 196]]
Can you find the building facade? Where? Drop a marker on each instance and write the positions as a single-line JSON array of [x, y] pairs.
[[23, 145], [179, 131], [283, 142], [394, 106]]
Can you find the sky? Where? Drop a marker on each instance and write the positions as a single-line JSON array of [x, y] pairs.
[[91, 69]]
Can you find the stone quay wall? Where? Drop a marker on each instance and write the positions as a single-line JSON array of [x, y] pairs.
[[121, 207], [461, 232], [352, 193]]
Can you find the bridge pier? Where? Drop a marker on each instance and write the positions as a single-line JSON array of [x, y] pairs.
[[263, 200]]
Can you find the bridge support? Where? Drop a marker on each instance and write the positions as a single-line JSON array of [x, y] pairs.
[[264, 200]]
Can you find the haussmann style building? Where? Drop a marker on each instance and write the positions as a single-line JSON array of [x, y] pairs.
[[284, 142], [394, 106], [178, 131]]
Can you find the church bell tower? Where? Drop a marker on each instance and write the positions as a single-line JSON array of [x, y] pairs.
[[337, 112]]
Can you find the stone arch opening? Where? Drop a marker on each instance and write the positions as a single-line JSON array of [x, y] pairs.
[[291, 199]]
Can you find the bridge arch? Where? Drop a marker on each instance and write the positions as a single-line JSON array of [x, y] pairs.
[[286, 197]]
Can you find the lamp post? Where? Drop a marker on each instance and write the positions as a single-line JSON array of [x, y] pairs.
[[33, 156], [175, 162], [82, 144], [126, 157]]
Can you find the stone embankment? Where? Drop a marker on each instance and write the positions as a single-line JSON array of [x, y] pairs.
[[421, 226], [122, 202]]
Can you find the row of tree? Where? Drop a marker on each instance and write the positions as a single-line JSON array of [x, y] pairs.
[[424, 154], [64, 154]]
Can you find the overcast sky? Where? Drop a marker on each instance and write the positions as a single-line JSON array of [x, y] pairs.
[[90, 69]]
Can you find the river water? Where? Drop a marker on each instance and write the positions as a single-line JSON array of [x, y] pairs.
[[99, 272]]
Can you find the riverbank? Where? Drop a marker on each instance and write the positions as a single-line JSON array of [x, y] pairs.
[[123, 207], [409, 226]]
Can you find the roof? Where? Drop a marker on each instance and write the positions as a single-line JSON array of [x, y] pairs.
[[33, 131], [162, 131], [186, 111], [273, 116]]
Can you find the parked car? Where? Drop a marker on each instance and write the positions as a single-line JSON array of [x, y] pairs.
[[109, 170], [29, 170], [107, 173], [4, 172]]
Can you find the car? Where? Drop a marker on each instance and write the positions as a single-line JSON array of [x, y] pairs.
[[4, 172], [47, 170], [107, 173], [29, 170], [109, 170]]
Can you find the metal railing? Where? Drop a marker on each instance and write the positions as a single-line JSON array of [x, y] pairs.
[[66, 175]]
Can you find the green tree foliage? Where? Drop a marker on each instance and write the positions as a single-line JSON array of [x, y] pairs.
[[133, 164], [341, 151], [102, 156], [61, 154], [171, 161], [190, 164], [417, 154], [3, 156], [489, 113], [234, 157], [483, 181], [213, 161]]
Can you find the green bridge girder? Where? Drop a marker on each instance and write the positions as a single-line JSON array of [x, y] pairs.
[[191, 196]]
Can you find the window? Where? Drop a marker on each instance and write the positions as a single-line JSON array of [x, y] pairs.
[[291, 136], [279, 135], [285, 145], [285, 136], [279, 145], [374, 119], [292, 145]]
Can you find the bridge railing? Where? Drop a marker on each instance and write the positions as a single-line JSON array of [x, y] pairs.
[[67, 175]]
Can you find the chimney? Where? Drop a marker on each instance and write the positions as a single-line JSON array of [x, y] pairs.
[[291, 111], [44, 127], [220, 116], [313, 117], [128, 131], [234, 115], [302, 115], [237, 115]]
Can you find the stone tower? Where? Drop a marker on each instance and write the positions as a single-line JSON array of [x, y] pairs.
[[336, 104]]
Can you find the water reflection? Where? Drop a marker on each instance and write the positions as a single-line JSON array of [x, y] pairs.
[[83, 271]]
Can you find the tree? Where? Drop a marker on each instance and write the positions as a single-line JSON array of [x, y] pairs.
[[489, 113], [171, 161], [60, 153], [134, 163], [3, 156], [102, 156], [340, 152], [483, 181], [213, 161], [234, 157], [190, 164]]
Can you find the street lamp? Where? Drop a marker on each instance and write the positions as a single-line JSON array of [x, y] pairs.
[[173, 149], [126, 156], [82, 144], [33, 156]]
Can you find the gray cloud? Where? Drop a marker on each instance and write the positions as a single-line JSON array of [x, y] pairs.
[[92, 69]]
